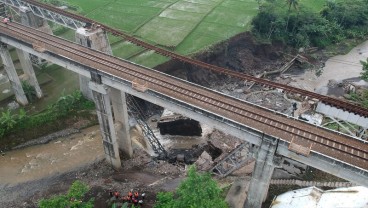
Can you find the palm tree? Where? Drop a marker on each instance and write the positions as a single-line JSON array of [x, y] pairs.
[[294, 4]]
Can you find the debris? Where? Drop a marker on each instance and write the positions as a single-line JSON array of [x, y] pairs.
[[204, 161]]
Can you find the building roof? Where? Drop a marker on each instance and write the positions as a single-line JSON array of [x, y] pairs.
[[313, 197]]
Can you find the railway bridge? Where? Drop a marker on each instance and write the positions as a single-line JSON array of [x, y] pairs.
[[274, 135]]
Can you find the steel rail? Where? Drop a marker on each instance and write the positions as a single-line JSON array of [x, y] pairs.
[[325, 99], [228, 106]]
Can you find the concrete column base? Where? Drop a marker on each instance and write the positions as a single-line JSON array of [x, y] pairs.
[[12, 75], [103, 108], [261, 177], [28, 70]]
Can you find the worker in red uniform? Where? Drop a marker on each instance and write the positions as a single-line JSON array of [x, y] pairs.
[[124, 199], [130, 193], [116, 194], [136, 194], [128, 199], [135, 201], [5, 20]]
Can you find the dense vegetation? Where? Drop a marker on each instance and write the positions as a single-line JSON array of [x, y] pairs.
[[73, 199], [67, 105], [364, 74], [198, 190], [298, 26]]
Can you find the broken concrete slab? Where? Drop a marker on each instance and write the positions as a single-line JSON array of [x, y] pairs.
[[204, 161], [238, 193]]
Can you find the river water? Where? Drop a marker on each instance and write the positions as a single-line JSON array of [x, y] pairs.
[[339, 68], [56, 157]]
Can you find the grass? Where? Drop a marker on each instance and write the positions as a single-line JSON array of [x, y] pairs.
[[149, 59], [126, 49], [165, 31], [186, 26]]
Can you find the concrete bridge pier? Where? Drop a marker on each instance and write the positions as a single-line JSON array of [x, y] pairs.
[[12, 75], [27, 18], [120, 109], [31, 20], [96, 39], [262, 173], [25, 62], [101, 97]]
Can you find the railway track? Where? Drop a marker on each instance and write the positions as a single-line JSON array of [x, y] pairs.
[[329, 143], [325, 99]]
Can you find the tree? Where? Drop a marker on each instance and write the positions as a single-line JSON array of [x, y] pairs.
[[364, 74], [73, 199], [198, 190]]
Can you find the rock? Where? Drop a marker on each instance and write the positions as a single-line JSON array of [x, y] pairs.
[[180, 157], [332, 83], [239, 90], [13, 105], [204, 161]]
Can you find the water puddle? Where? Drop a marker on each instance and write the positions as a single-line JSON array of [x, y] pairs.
[[56, 157]]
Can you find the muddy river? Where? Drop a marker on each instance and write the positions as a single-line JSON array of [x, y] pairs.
[[56, 157]]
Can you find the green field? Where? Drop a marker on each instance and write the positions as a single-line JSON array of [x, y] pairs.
[[184, 26]]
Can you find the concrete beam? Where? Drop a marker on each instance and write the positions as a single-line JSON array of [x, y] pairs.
[[342, 115], [250, 135], [28, 70], [326, 164], [12, 75]]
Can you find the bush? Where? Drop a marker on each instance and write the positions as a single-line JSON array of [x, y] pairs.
[[198, 190], [73, 199], [364, 73], [65, 106]]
